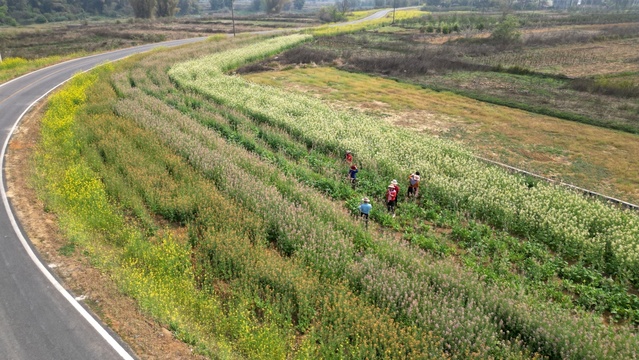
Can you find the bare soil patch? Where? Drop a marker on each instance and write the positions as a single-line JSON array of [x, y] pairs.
[[147, 338]]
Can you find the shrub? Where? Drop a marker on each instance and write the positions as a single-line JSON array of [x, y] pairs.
[[506, 31], [41, 19], [331, 14]]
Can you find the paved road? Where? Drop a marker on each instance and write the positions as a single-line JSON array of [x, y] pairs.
[[38, 318]]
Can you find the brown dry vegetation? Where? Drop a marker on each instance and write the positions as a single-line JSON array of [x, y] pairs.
[[62, 39], [575, 60]]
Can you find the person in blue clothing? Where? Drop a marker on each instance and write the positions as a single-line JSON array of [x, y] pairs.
[[365, 208], [352, 174]]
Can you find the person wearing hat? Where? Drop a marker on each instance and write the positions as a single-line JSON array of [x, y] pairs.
[[394, 183], [365, 208], [413, 184], [348, 157], [391, 199], [352, 173]]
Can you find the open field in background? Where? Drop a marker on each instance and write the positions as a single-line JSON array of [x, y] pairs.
[[591, 157], [461, 66], [32, 47], [37, 41], [574, 60], [578, 69]]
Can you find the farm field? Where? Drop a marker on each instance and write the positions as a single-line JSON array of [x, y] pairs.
[[240, 237], [235, 233], [581, 73], [564, 68], [38, 41], [588, 156]]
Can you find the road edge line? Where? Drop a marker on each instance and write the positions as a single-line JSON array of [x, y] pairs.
[[5, 200]]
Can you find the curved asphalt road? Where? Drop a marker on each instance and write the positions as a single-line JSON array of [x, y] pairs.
[[39, 319]]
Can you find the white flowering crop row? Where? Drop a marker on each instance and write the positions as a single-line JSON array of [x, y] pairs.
[[567, 221]]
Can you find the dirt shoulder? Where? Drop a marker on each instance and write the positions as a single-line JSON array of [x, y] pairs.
[[147, 338]]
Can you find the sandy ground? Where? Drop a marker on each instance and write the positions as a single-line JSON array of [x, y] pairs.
[[147, 338]]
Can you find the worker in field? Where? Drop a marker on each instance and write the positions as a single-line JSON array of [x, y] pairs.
[[396, 185], [348, 157], [365, 208], [391, 199], [352, 174], [413, 184]]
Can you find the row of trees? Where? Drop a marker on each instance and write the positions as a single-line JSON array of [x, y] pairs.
[[13, 12], [526, 4]]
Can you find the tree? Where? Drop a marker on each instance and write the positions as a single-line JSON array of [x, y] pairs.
[[298, 4], [220, 4], [188, 7], [143, 8], [274, 6], [166, 8], [342, 6], [331, 14], [507, 31]]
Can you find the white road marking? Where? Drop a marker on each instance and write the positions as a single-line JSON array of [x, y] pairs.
[[96, 325]]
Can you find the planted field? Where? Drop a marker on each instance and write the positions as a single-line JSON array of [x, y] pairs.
[[587, 156], [238, 237], [573, 60]]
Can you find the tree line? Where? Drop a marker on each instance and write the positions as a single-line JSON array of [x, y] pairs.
[[24, 12]]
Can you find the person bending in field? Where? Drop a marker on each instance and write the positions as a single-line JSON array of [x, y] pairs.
[[391, 199], [348, 157], [352, 173], [413, 184], [365, 208]]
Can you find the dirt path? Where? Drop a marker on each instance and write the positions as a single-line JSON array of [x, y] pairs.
[[147, 338]]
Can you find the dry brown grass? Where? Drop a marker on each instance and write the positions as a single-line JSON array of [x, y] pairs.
[[576, 60]]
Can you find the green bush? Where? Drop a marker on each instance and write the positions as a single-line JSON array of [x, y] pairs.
[[506, 32]]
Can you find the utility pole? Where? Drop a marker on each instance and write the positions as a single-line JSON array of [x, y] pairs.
[[233, 16], [394, 6]]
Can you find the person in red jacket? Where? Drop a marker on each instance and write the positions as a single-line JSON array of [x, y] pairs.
[[394, 183], [391, 199], [348, 157]]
